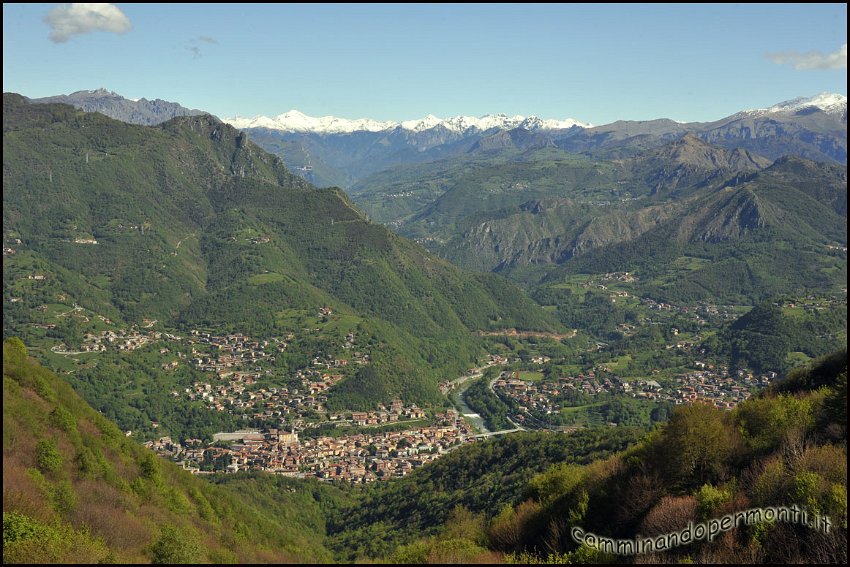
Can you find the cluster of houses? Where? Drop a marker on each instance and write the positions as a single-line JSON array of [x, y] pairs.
[[396, 411], [707, 385], [236, 364], [622, 277], [545, 398], [701, 311], [359, 458], [121, 339], [271, 402], [235, 360], [222, 355], [717, 388], [812, 303]]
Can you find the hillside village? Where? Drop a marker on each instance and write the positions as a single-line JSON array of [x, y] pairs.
[[711, 386], [358, 458]]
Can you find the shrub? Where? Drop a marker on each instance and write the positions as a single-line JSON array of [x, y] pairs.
[[696, 445], [91, 464], [26, 540], [18, 527], [556, 482], [766, 422], [807, 488], [62, 418], [414, 553], [15, 349], [508, 530], [829, 461], [47, 456], [460, 551], [63, 497], [771, 483], [710, 499], [463, 524], [176, 546]]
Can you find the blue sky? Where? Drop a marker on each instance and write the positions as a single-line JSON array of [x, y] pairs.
[[595, 63]]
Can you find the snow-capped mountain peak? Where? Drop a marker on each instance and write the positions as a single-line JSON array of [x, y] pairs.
[[295, 121], [831, 103], [426, 123], [97, 92]]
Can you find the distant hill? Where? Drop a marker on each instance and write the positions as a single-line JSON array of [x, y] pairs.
[[746, 228], [141, 111], [691, 164], [761, 338], [814, 129]]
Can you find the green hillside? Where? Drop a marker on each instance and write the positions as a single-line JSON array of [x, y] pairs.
[[190, 224], [77, 490], [434, 199], [768, 234], [762, 338]]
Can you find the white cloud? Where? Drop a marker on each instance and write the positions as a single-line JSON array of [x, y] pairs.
[[67, 20], [812, 59]]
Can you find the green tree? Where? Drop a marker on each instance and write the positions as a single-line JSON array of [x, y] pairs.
[[697, 444], [47, 455], [176, 546]]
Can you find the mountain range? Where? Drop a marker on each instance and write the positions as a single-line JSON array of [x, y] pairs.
[[511, 194], [332, 151], [295, 121], [540, 213]]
